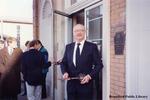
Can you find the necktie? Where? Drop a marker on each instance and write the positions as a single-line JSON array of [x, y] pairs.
[[77, 55]]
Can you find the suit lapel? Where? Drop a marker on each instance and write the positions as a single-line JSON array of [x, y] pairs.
[[84, 48]]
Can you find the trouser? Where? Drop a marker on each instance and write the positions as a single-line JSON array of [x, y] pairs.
[[77, 91], [5, 94], [44, 95], [33, 92], [25, 89], [9, 98]]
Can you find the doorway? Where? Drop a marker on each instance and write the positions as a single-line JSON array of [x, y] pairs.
[[93, 22], [92, 18]]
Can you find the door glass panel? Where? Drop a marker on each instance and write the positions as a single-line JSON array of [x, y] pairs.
[[94, 13], [95, 29], [59, 29], [94, 25]]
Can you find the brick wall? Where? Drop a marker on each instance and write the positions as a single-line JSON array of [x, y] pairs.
[[117, 62]]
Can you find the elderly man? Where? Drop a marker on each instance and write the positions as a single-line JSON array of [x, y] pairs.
[[79, 59]]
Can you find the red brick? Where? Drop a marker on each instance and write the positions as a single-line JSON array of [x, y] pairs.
[[117, 62]]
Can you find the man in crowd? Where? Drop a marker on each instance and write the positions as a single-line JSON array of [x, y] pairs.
[[44, 53], [32, 65]]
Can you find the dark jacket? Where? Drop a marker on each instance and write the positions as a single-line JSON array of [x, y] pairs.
[[32, 63], [90, 60], [47, 63]]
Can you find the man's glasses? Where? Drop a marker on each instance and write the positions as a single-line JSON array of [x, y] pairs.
[[81, 30]]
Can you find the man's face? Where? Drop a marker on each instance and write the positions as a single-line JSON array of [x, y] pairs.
[[12, 44], [37, 46], [79, 33]]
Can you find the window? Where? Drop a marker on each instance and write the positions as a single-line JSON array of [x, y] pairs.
[[73, 2], [94, 24]]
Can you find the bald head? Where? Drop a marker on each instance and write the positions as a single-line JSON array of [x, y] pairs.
[[79, 32]]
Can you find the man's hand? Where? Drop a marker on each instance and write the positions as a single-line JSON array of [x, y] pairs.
[[86, 79], [57, 62], [66, 76]]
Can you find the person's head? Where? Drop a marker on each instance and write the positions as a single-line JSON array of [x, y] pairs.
[[1, 44], [39, 44], [27, 44], [33, 44], [12, 42], [79, 32]]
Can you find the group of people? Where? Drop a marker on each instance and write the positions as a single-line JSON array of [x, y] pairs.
[[81, 59], [33, 63]]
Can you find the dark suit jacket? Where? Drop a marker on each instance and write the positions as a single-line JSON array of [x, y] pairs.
[[90, 60]]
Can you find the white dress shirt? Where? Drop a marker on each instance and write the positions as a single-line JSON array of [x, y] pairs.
[[74, 52], [10, 50]]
